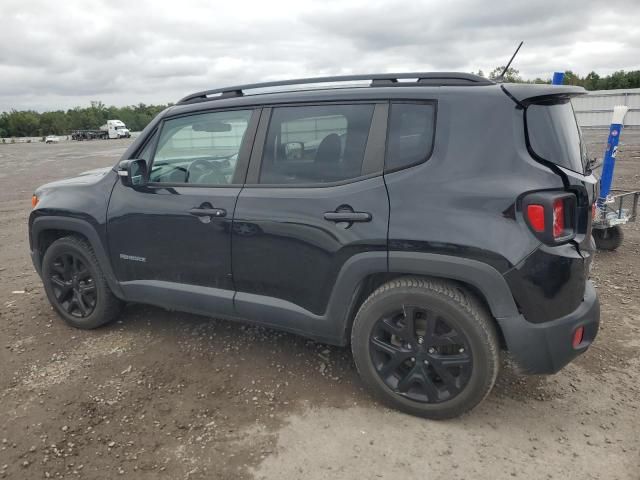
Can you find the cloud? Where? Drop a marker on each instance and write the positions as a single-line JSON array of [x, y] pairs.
[[63, 54]]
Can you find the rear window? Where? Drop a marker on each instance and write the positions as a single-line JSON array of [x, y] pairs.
[[554, 135]]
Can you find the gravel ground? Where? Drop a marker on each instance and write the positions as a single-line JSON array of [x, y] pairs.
[[169, 395]]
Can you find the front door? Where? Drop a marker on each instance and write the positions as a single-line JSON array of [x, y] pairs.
[[314, 197], [170, 241]]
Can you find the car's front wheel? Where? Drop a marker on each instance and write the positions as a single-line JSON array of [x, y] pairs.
[[75, 284], [426, 347]]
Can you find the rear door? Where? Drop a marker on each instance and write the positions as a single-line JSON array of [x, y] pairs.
[[171, 239], [314, 197]]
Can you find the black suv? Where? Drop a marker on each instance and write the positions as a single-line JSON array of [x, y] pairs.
[[430, 220]]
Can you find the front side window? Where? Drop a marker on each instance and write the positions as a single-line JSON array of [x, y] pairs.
[[200, 149], [411, 129], [315, 144]]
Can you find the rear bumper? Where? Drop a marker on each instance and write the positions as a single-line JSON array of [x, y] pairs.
[[546, 347]]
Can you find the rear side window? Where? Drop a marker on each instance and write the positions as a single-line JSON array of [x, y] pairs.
[[411, 131], [315, 144], [554, 135]]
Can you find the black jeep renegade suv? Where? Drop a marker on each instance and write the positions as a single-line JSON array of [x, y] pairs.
[[430, 220]]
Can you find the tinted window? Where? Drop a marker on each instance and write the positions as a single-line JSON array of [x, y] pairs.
[[315, 144], [145, 154], [555, 136], [411, 128], [201, 149]]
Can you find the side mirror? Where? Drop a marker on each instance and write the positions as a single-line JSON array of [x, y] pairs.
[[133, 173]]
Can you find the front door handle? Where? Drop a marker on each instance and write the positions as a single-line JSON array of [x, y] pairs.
[[208, 212], [346, 216]]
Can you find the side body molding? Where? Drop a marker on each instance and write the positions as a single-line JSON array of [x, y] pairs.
[[83, 227], [329, 327], [482, 276], [332, 326]]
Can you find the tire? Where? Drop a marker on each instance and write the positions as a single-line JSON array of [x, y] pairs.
[[75, 285], [437, 392], [608, 238]]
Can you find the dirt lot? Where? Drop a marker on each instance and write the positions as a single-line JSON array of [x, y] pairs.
[[169, 395]]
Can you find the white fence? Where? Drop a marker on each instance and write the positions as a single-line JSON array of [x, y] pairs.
[[595, 108]]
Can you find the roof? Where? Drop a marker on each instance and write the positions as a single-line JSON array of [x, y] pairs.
[[375, 79], [396, 86]]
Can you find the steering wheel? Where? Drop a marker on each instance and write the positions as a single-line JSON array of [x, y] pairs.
[[197, 169], [206, 171]]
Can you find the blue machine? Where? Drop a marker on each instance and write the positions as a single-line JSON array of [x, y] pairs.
[[606, 178], [614, 208], [558, 78]]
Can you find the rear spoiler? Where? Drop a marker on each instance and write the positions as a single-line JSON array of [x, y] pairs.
[[525, 93]]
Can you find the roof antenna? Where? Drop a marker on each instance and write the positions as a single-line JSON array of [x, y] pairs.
[[500, 77]]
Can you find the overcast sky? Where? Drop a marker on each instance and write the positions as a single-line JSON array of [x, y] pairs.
[[63, 54]]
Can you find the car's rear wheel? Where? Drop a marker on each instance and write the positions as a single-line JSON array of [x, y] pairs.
[[426, 347], [608, 238], [75, 284]]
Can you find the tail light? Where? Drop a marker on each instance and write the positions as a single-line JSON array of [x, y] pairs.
[[558, 218], [578, 336], [551, 215]]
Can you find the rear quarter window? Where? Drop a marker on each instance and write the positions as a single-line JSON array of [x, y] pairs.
[[554, 135], [411, 132]]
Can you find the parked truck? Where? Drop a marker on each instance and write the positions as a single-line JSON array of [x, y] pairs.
[[111, 129], [115, 129]]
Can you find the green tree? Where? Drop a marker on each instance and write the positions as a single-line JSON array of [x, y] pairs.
[[571, 78], [592, 81], [511, 75]]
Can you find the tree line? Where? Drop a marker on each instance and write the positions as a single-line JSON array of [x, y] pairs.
[[591, 81], [29, 123]]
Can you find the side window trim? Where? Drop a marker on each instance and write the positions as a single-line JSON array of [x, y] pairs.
[[376, 147], [374, 156], [253, 173], [429, 154], [244, 153], [152, 140]]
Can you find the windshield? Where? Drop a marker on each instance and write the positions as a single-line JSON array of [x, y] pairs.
[[554, 135]]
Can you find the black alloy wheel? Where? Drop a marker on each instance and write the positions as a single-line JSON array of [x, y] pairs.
[[419, 355], [72, 285]]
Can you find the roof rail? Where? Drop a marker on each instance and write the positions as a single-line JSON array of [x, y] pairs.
[[377, 80]]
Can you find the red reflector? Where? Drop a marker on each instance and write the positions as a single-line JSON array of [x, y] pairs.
[[578, 335], [558, 218], [535, 213]]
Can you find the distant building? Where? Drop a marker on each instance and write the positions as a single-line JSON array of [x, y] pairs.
[[594, 109]]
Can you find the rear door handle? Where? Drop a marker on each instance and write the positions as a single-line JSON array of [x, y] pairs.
[[347, 216], [208, 212]]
